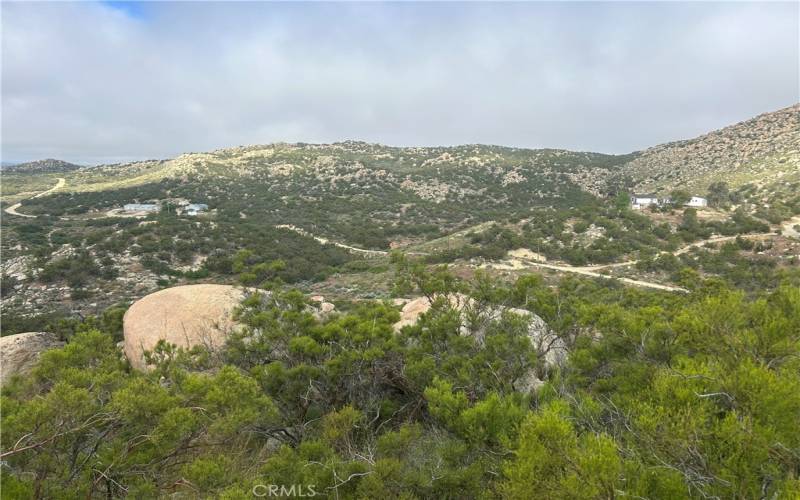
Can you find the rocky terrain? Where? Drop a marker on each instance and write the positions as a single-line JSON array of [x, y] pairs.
[[765, 149], [522, 280], [184, 316], [474, 318]]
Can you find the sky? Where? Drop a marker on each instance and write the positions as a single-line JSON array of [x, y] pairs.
[[107, 82]]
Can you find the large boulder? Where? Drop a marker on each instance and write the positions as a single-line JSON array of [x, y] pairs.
[[185, 316], [551, 349], [20, 352]]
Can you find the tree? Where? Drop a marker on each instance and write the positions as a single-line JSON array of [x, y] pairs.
[[622, 201], [718, 194], [680, 197], [554, 462]]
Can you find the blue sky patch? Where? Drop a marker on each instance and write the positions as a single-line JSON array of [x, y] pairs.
[[135, 10]]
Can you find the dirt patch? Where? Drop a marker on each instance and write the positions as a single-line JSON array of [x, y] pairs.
[[524, 253], [788, 227]]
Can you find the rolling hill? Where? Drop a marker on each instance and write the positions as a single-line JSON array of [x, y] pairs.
[[764, 149], [49, 165], [464, 204]]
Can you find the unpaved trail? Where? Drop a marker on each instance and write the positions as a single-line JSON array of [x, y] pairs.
[[720, 239], [12, 210], [592, 270], [325, 241], [683, 250], [588, 271]]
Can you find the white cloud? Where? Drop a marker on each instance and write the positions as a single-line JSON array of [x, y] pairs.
[[87, 82]]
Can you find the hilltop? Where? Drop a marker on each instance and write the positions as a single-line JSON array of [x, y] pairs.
[[765, 149], [48, 165]]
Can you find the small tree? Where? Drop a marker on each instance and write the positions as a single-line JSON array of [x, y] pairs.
[[680, 197], [622, 201], [718, 194]]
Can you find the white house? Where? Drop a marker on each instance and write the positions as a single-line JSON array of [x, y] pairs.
[[141, 207], [639, 202], [697, 201]]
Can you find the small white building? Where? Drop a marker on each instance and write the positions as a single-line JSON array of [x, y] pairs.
[[141, 207], [195, 208], [697, 201], [638, 202]]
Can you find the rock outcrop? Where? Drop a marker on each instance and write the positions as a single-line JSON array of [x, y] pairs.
[[20, 352], [551, 349], [186, 316]]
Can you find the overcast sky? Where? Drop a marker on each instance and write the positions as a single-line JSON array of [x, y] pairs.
[[105, 82]]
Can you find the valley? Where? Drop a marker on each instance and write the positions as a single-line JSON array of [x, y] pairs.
[[357, 308], [399, 250], [347, 207]]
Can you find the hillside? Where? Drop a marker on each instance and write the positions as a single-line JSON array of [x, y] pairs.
[[334, 187], [553, 311], [764, 149], [41, 167], [295, 212]]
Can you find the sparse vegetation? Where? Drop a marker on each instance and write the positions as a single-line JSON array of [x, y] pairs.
[[690, 392], [663, 395]]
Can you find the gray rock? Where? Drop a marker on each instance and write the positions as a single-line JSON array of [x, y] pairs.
[[20, 352], [551, 349]]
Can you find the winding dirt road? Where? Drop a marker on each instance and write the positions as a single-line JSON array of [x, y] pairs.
[[586, 271], [12, 210], [717, 239], [325, 241], [592, 271]]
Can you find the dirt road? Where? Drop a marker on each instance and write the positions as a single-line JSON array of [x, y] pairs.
[[683, 250], [324, 241], [587, 271], [12, 210], [592, 271]]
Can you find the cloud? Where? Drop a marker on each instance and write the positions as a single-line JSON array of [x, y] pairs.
[[99, 82]]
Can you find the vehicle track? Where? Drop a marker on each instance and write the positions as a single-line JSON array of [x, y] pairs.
[[12, 210], [592, 271]]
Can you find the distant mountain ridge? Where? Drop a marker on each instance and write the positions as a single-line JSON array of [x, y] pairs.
[[48, 165], [764, 150]]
